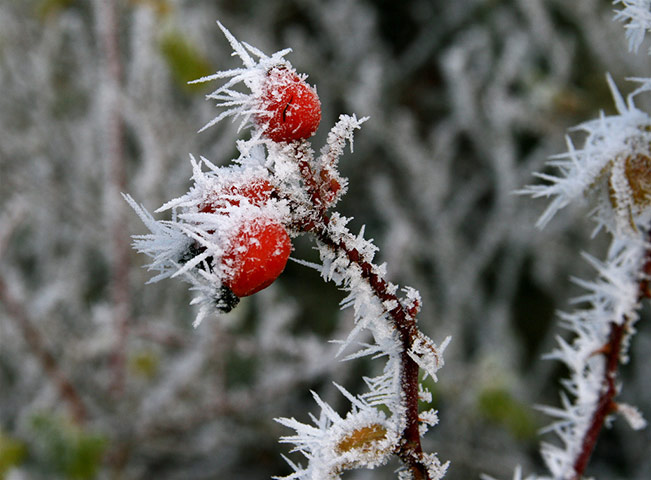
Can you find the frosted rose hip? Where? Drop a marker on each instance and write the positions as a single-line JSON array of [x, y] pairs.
[[292, 107], [256, 256]]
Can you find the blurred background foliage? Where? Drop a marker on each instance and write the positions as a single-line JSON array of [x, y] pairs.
[[102, 376]]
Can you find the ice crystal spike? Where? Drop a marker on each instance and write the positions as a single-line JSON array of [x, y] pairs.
[[252, 75], [636, 14]]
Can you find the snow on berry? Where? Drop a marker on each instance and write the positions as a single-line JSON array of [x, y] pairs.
[[280, 105], [256, 256], [254, 191], [291, 108], [226, 235], [259, 249]]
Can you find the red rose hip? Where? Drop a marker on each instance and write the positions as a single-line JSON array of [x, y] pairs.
[[256, 256], [292, 107]]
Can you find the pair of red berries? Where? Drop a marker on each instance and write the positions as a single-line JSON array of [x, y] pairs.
[[259, 248]]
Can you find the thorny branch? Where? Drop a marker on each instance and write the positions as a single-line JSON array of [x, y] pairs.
[[409, 449], [307, 188], [606, 405]]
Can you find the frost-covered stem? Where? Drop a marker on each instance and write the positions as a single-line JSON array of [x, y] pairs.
[[409, 449], [48, 361], [606, 404], [114, 136]]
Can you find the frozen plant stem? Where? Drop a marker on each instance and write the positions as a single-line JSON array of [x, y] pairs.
[[409, 448], [612, 350], [606, 404], [613, 170]]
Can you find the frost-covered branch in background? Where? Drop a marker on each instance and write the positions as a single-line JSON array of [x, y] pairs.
[[613, 169], [38, 347], [114, 158], [229, 238]]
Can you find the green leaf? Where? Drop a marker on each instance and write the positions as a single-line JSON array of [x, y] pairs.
[[498, 405], [144, 363], [184, 60], [63, 448], [161, 7], [12, 453], [48, 8]]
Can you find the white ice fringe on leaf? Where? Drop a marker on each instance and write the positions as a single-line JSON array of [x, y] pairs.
[[427, 355], [599, 164], [364, 438]]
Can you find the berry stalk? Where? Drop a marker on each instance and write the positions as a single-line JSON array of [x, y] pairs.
[[409, 448]]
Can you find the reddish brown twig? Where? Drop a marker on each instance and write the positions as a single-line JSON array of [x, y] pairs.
[[409, 449], [606, 404], [48, 361]]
